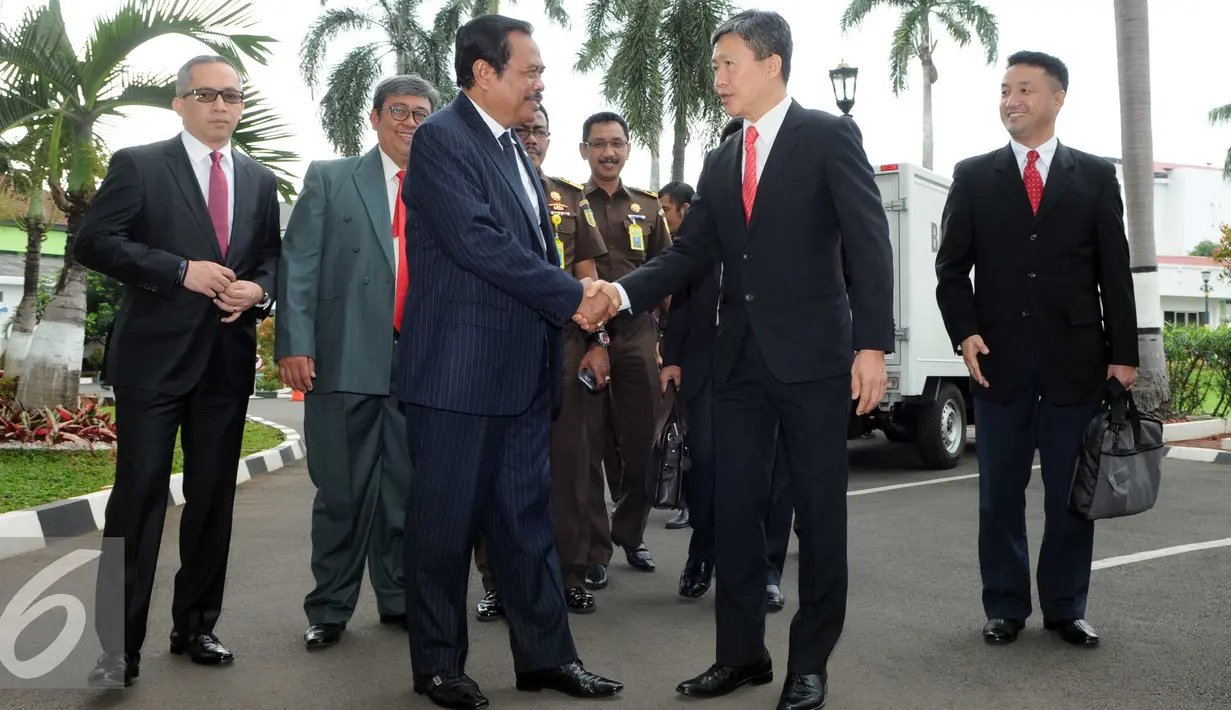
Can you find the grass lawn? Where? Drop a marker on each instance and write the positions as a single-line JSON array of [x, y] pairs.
[[29, 478]]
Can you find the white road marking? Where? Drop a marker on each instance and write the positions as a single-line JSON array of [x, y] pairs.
[[913, 484], [1165, 552]]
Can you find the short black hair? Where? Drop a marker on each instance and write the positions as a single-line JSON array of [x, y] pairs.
[[486, 38], [733, 126], [679, 191], [183, 78], [603, 117], [545, 114], [405, 85], [1050, 65], [767, 33]]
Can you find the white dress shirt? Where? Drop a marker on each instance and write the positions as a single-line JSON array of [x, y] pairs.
[[199, 157], [391, 187], [1047, 152], [531, 194]]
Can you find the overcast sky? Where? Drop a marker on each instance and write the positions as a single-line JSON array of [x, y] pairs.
[[1187, 53]]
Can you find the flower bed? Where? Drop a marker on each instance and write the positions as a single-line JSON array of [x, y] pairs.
[[84, 427]]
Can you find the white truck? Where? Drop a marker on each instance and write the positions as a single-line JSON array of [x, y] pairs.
[[928, 399]]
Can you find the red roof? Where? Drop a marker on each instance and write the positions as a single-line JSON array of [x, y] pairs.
[[1188, 260], [1164, 167]]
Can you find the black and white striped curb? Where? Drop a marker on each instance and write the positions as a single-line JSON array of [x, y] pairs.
[[22, 531]]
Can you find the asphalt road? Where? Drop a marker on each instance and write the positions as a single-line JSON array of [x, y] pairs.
[[912, 637]]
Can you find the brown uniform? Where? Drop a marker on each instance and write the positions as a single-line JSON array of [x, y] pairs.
[[635, 230], [578, 239]]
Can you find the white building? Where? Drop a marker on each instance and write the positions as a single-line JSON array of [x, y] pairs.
[[1182, 281], [1190, 203]]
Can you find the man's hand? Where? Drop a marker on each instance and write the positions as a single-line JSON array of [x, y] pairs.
[[972, 347], [238, 297], [670, 373], [297, 371], [596, 361], [868, 380], [600, 304], [208, 278], [1126, 374]]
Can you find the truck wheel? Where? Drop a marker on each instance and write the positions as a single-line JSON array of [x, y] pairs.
[[942, 429]]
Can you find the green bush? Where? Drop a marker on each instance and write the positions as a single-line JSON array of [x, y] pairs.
[[1199, 368], [267, 378]]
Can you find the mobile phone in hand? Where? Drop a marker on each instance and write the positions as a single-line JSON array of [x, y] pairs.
[[588, 379]]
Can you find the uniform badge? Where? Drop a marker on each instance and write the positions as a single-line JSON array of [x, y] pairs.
[[557, 206], [585, 207], [560, 250], [555, 196], [636, 239], [636, 207]]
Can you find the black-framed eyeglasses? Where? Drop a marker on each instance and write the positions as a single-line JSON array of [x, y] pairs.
[[401, 113], [602, 145], [209, 96], [540, 133]]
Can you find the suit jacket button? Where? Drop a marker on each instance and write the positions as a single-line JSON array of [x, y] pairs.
[[366, 279], [1025, 314], [749, 297], [345, 218], [1031, 274], [747, 257], [389, 280], [1033, 237], [355, 248]]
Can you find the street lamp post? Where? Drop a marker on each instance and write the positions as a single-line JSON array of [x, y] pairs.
[[1205, 288], [845, 96]]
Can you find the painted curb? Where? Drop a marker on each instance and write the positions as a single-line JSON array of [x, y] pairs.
[[1197, 453], [26, 530]]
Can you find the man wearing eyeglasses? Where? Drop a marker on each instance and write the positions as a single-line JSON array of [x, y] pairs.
[[635, 231], [191, 228], [341, 286]]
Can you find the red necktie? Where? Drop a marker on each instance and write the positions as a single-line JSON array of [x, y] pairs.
[[1034, 181], [750, 171], [218, 199], [399, 231]]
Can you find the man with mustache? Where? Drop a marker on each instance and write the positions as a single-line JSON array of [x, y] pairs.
[[579, 243], [635, 230], [341, 286], [480, 375]]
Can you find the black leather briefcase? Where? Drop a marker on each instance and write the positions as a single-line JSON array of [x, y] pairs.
[[669, 458]]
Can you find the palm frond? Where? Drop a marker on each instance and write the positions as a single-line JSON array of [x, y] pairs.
[[1220, 115], [856, 13], [343, 107], [601, 15], [904, 48], [139, 90], [686, 30], [39, 47], [958, 31], [634, 81], [971, 14], [554, 9], [260, 127], [329, 25]]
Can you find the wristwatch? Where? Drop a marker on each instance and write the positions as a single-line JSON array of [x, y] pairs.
[[601, 338], [265, 301]]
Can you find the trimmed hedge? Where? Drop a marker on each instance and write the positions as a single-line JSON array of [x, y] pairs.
[[1199, 368]]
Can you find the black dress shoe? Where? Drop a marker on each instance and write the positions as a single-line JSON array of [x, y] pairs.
[[774, 597], [570, 679], [803, 691], [696, 578], [579, 600], [720, 680], [393, 619], [320, 636], [115, 669], [460, 692], [203, 649], [679, 521], [1075, 631], [1002, 630], [639, 558], [596, 577], [489, 607]]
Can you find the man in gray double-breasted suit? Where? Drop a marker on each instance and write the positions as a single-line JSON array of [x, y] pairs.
[[342, 281]]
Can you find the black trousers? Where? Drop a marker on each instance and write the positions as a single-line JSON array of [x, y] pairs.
[[1009, 433], [211, 439], [752, 410], [699, 490]]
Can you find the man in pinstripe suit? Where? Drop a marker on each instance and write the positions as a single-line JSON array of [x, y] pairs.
[[481, 373]]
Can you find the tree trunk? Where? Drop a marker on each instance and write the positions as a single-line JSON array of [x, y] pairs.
[[52, 369], [929, 78], [677, 149], [1151, 391], [24, 320], [655, 160]]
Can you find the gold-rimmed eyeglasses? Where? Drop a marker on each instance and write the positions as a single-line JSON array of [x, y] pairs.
[[209, 96]]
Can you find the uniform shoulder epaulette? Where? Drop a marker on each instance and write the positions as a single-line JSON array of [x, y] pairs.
[[651, 193], [570, 183]]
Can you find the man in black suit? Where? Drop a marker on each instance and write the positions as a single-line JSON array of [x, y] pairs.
[[481, 373], [688, 353], [1043, 226], [792, 349], [191, 228]]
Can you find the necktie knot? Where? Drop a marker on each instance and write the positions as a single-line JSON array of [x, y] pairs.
[[216, 157], [750, 136], [1032, 157], [506, 140], [401, 173]]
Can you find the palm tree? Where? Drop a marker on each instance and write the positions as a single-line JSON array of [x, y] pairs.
[[415, 50], [1219, 116], [913, 38], [44, 81], [655, 55], [1133, 52]]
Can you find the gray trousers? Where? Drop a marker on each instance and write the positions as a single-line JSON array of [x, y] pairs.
[[360, 464]]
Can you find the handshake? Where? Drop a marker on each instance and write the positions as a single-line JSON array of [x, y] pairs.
[[600, 304]]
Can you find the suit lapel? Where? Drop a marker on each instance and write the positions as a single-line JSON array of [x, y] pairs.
[[244, 185], [731, 167], [1059, 178], [370, 182], [1009, 181], [186, 180], [775, 164], [470, 113]]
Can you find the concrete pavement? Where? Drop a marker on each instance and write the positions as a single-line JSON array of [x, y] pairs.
[[912, 634]]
